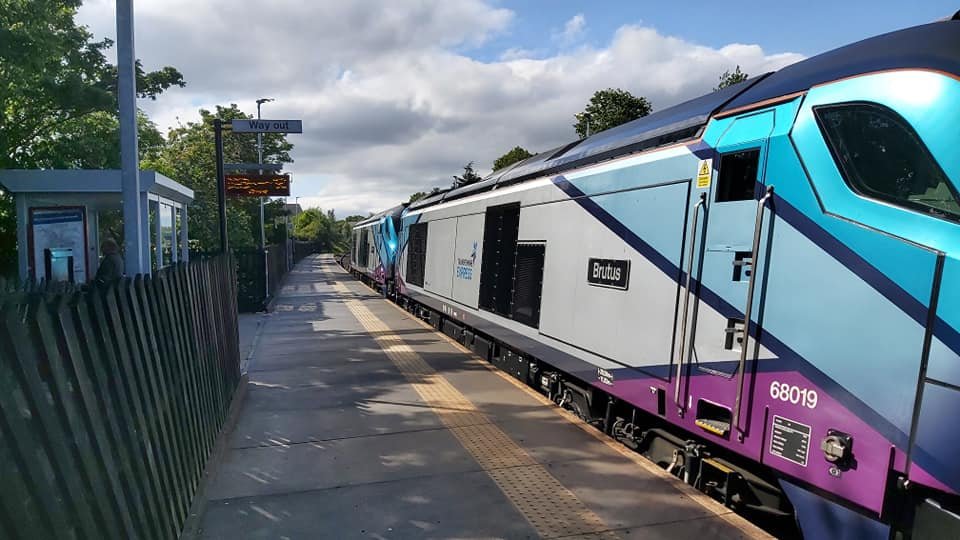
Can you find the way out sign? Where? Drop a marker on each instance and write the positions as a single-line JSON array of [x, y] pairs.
[[267, 126]]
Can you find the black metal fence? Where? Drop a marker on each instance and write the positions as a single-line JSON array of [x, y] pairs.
[[111, 401], [259, 273], [302, 249], [250, 283]]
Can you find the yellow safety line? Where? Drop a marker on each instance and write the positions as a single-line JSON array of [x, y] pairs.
[[552, 509], [748, 529]]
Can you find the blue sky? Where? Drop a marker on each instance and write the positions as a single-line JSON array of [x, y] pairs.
[[808, 27], [397, 96]]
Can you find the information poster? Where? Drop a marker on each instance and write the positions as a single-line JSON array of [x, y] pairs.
[[59, 229]]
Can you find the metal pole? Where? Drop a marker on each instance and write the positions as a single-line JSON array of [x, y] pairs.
[[263, 234], [174, 251], [221, 187], [129, 166], [263, 225], [184, 234], [158, 235]]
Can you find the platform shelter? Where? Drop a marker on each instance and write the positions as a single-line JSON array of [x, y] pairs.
[[58, 215]]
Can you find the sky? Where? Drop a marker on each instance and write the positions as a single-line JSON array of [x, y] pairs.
[[396, 96]]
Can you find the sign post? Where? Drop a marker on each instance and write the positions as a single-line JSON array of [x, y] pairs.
[[257, 125], [221, 189], [275, 183]]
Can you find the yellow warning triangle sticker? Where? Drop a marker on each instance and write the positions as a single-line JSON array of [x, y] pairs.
[[703, 176]]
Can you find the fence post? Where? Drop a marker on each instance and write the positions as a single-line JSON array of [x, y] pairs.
[[46, 432], [111, 400], [131, 489]]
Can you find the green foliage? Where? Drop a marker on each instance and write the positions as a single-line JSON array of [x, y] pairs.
[[189, 158], [315, 225], [92, 142], [58, 99], [52, 74], [610, 108], [309, 224], [468, 177], [517, 154], [731, 78]]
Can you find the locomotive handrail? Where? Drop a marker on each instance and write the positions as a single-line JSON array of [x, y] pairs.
[[758, 227], [701, 204]]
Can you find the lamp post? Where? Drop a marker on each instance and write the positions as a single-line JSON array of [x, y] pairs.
[[130, 168], [263, 225]]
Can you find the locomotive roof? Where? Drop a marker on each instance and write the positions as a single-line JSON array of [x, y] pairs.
[[934, 46], [671, 124], [432, 199], [377, 217]]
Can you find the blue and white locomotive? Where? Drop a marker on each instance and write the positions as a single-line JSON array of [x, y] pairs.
[[374, 247], [758, 288]]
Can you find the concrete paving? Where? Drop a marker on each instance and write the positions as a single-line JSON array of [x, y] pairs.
[[334, 440], [249, 326]]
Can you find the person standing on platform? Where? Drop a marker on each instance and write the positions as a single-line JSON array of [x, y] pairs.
[[111, 264]]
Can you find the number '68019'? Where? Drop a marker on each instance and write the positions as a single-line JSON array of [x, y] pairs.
[[793, 394]]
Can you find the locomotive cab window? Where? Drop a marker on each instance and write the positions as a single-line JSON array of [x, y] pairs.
[[737, 178], [880, 156]]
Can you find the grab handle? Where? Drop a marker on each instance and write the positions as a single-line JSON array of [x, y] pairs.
[[701, 204], [757, 228]]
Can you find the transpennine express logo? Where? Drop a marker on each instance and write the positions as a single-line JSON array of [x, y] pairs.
[[465, 265]]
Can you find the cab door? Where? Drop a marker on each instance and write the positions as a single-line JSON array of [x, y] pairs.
[[716, 352]]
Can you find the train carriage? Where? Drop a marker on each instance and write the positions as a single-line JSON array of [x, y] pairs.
[[757, 288]]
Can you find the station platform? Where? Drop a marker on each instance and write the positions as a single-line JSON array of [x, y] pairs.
[[361, 421]]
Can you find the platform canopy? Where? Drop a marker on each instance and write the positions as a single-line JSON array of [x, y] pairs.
[[41, 194]]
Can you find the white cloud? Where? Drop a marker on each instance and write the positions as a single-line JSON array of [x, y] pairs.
[[572, 30], [390, 102]]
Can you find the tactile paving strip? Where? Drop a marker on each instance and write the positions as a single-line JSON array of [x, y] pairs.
[[552, 509]]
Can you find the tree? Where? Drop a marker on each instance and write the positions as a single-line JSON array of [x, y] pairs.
[[610, 108], [315, 225], [58, 98], [309, 224], [517, 154], [468, 177], [53, 73], [92, 142], [188, 157], [730, 79]]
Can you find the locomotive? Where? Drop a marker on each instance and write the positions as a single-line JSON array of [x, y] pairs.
[[758, 289], [374, 247]]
